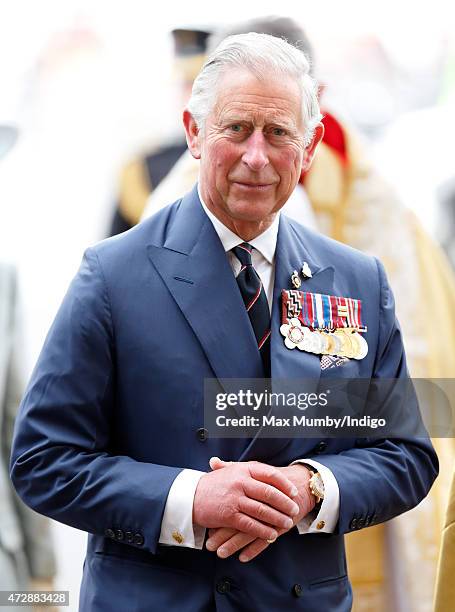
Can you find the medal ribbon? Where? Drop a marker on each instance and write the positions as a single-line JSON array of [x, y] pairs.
[[321, 311]]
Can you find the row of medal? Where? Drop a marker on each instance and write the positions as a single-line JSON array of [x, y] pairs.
[[341, 342]]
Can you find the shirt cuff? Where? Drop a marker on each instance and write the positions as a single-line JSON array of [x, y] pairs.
[[177, 527], [326, 519]]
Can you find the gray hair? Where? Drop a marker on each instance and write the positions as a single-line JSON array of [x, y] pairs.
[[280, 26], [264, 56]]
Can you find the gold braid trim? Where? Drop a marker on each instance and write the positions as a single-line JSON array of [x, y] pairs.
[[134, 190]]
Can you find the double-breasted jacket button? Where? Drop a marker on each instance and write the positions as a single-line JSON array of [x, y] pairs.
[[372, 519], [202, 434], [353, 524], [138, 539], [360, 523], [223, 586], [129, 537], [119, 535], [109, 533], [320, 447], [297, 590]]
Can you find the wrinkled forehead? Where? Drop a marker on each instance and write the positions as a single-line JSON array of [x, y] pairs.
[[244, 96]]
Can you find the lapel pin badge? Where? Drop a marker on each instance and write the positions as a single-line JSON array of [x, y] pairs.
[[295, 279], [306, 272]]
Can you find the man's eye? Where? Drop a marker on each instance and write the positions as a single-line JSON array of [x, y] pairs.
[[236, 127], [278, 132]]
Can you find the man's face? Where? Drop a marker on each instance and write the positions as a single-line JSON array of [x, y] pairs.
[[252, 149]]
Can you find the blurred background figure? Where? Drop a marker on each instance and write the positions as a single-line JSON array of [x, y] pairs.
[[446, 217], [352, 203], [142, 175], [26, 555], [445, 584]]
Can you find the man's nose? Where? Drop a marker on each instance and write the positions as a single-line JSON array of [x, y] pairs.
[[255, 155]]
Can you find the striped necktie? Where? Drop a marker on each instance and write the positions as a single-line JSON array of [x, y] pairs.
[[255, 301]]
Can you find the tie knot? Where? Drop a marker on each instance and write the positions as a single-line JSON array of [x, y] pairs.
[[243, 253]]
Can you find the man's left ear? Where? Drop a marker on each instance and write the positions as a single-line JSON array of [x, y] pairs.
[[309, 152]]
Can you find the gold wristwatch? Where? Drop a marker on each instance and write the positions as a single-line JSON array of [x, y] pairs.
[[316, 485]]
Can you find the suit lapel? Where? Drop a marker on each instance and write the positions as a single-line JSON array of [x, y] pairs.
[[293, 248], [194, 267]]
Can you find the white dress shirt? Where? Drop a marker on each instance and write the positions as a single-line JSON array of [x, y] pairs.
[[177, 528]]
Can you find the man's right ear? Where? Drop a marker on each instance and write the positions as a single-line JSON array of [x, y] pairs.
[[192, 134]]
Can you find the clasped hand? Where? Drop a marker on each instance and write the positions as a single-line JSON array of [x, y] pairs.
[[247, 505]]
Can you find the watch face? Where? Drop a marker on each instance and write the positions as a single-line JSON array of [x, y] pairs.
[[317, 486]]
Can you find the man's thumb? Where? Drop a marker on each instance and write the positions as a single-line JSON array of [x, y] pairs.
[[216, 463]]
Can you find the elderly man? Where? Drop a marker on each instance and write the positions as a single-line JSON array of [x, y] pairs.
[[111, 439]]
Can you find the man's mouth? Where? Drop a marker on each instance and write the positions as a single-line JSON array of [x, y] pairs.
[[253, 186]]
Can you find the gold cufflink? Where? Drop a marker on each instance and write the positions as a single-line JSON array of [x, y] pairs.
[[320, 525], [178, 537]]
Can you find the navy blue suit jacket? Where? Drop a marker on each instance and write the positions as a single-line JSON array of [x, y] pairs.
[[115, 402]]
